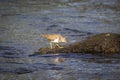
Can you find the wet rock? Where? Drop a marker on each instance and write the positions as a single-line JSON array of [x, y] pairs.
[[105, 43]]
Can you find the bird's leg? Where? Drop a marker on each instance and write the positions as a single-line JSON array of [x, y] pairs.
[[59, 45], [50, 44]]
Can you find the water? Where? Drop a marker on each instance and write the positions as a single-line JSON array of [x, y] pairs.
[[22, 22]]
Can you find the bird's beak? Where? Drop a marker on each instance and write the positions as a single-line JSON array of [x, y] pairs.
[[67, 41]]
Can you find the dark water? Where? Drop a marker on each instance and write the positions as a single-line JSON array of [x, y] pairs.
[[22, 22]]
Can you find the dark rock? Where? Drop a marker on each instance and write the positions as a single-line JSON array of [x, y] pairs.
[[105, 43]]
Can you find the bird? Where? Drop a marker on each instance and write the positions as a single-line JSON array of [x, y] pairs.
[[55, 38]]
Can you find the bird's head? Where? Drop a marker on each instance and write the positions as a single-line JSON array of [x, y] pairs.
[[65, 40]]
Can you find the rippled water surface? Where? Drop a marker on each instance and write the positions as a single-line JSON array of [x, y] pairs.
[[22, 22]]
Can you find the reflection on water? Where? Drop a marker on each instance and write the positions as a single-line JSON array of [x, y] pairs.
[[61, 66], [22, 22]]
